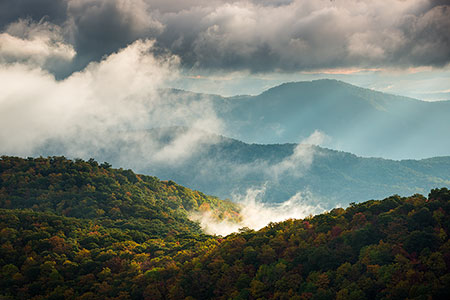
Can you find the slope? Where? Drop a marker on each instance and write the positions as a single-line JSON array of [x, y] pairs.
[[228, 167], [89, 191], [396, 248], [358, 120]]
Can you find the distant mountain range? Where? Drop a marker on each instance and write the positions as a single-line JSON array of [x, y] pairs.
[[357, 120], [228, 168], [361, 120]]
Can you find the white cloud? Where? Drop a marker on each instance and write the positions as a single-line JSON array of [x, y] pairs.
[[101, 108], [304, 35], [256, 214], [302, 158], [187, 143], [38, 44]]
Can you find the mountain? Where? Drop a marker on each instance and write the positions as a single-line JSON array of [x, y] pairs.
[[357, 120], [80, 230], [361, 120], [67, 226], [227, 167], [110, 197]]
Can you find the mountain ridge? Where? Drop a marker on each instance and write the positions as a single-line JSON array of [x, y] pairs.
[[297, 83], [356, 119], [229, 168]]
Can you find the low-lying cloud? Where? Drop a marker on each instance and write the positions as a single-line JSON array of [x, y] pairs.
[[105, 111], [302, 157], [256, 214]]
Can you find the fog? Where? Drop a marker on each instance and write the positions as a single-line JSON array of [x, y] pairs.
[[99, 108], [256, 214]]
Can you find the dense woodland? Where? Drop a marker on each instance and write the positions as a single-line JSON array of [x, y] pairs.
[[82, 230]]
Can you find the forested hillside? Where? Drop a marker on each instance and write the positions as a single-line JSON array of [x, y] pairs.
[[397, 248], [63, 220], [88, 190], [79, 230]]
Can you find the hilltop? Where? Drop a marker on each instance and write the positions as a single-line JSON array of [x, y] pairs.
[[96, 192]]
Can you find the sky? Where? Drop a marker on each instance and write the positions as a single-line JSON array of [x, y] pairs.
[[242, 47]]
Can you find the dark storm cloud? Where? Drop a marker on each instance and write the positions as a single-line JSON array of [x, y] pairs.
[[305, 35], [431, 43], [254, 35], [53, 10], [101, 27]]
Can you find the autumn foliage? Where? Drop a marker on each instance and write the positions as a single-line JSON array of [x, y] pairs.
[[80, 230]]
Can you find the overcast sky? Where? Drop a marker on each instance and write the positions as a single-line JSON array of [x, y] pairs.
[[243, 47]]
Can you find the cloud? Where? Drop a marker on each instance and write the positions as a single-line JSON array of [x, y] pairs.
[[187, 143], [38, 44], [101, 27], [105, 109], [102, 110], [255, 214], [54, 11], [431, 46], [296, 164], [257, 36], [302, 158]]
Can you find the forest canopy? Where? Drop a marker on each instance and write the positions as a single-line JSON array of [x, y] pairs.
[[83, 230]]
